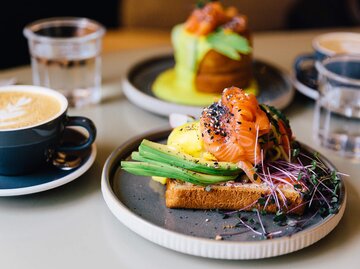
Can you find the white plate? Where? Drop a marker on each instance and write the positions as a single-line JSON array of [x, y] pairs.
[[275, 86], [139, 204]]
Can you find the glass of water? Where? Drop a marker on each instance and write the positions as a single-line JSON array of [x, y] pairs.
[[337, 110], [66, 56]]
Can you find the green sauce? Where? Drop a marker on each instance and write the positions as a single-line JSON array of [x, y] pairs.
[[166, 87], [189, 50]]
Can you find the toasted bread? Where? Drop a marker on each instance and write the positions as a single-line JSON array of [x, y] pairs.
[[235, 196]]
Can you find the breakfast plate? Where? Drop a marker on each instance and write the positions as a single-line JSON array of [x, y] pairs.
[[138, 202], [275, 87], [49, 177]]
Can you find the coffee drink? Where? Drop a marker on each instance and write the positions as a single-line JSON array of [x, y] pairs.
[[341, 45], [337, 42], [32, 124], [21, 109]]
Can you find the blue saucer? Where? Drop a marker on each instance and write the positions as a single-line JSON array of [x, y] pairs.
[[305, 81], [48, 177]]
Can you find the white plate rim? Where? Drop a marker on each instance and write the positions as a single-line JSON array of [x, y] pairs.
[[55, 183], [210, 248], [165, 108], [153, 104]]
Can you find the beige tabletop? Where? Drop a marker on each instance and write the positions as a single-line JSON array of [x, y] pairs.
[[71, 226]]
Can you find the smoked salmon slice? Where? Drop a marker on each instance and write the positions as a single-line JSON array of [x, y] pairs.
[[231, 127]]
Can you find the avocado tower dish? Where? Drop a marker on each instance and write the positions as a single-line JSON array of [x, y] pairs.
[[212, 50], [241, 156]]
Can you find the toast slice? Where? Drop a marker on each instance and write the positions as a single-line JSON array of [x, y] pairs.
[[234, 196]]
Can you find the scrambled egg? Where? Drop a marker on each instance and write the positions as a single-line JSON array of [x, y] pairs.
[[187, 139]]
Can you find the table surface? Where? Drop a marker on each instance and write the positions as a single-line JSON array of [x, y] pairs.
[[71, 226]]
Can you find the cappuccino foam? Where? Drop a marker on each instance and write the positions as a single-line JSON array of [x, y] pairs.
[[341, 45], [20, 109]]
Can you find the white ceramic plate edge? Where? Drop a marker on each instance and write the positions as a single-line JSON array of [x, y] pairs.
[[55, 183], [165, 108], [155, 105], [211, 248]]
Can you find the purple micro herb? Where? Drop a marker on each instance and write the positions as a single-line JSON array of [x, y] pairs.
[[308, 175]]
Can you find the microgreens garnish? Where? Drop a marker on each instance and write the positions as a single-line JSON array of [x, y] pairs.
[[280, 218], [256, 226], [309, 176], [313, 179], [295, 152]]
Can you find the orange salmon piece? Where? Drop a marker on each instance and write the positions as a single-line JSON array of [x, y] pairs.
[[203, 21], [231, 126]]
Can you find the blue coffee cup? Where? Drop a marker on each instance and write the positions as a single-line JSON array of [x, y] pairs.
[[32, 122], [324, 46]]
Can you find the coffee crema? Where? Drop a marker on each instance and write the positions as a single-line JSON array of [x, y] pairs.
[[24, 109], [345, 45]]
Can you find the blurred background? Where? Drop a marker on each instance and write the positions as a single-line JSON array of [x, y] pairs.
[[264, 15]]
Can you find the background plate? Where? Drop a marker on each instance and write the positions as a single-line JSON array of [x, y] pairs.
[[275, 86], [138, 202]]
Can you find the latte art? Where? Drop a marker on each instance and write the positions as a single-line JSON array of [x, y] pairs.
[[337, 42], [341, 45], [23, 109]]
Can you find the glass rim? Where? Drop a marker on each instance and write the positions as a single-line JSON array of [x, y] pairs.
[[321, 68], [30, 29]]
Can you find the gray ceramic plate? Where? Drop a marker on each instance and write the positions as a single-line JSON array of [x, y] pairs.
[[139, 203], [274, 85]]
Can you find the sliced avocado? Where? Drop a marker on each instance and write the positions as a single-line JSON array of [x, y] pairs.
[[165, 154], [169, 171]]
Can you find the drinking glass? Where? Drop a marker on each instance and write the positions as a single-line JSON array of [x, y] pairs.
[[66, 56], [337, 110]]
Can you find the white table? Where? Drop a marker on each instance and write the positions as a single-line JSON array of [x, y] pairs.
[[71, 226]]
